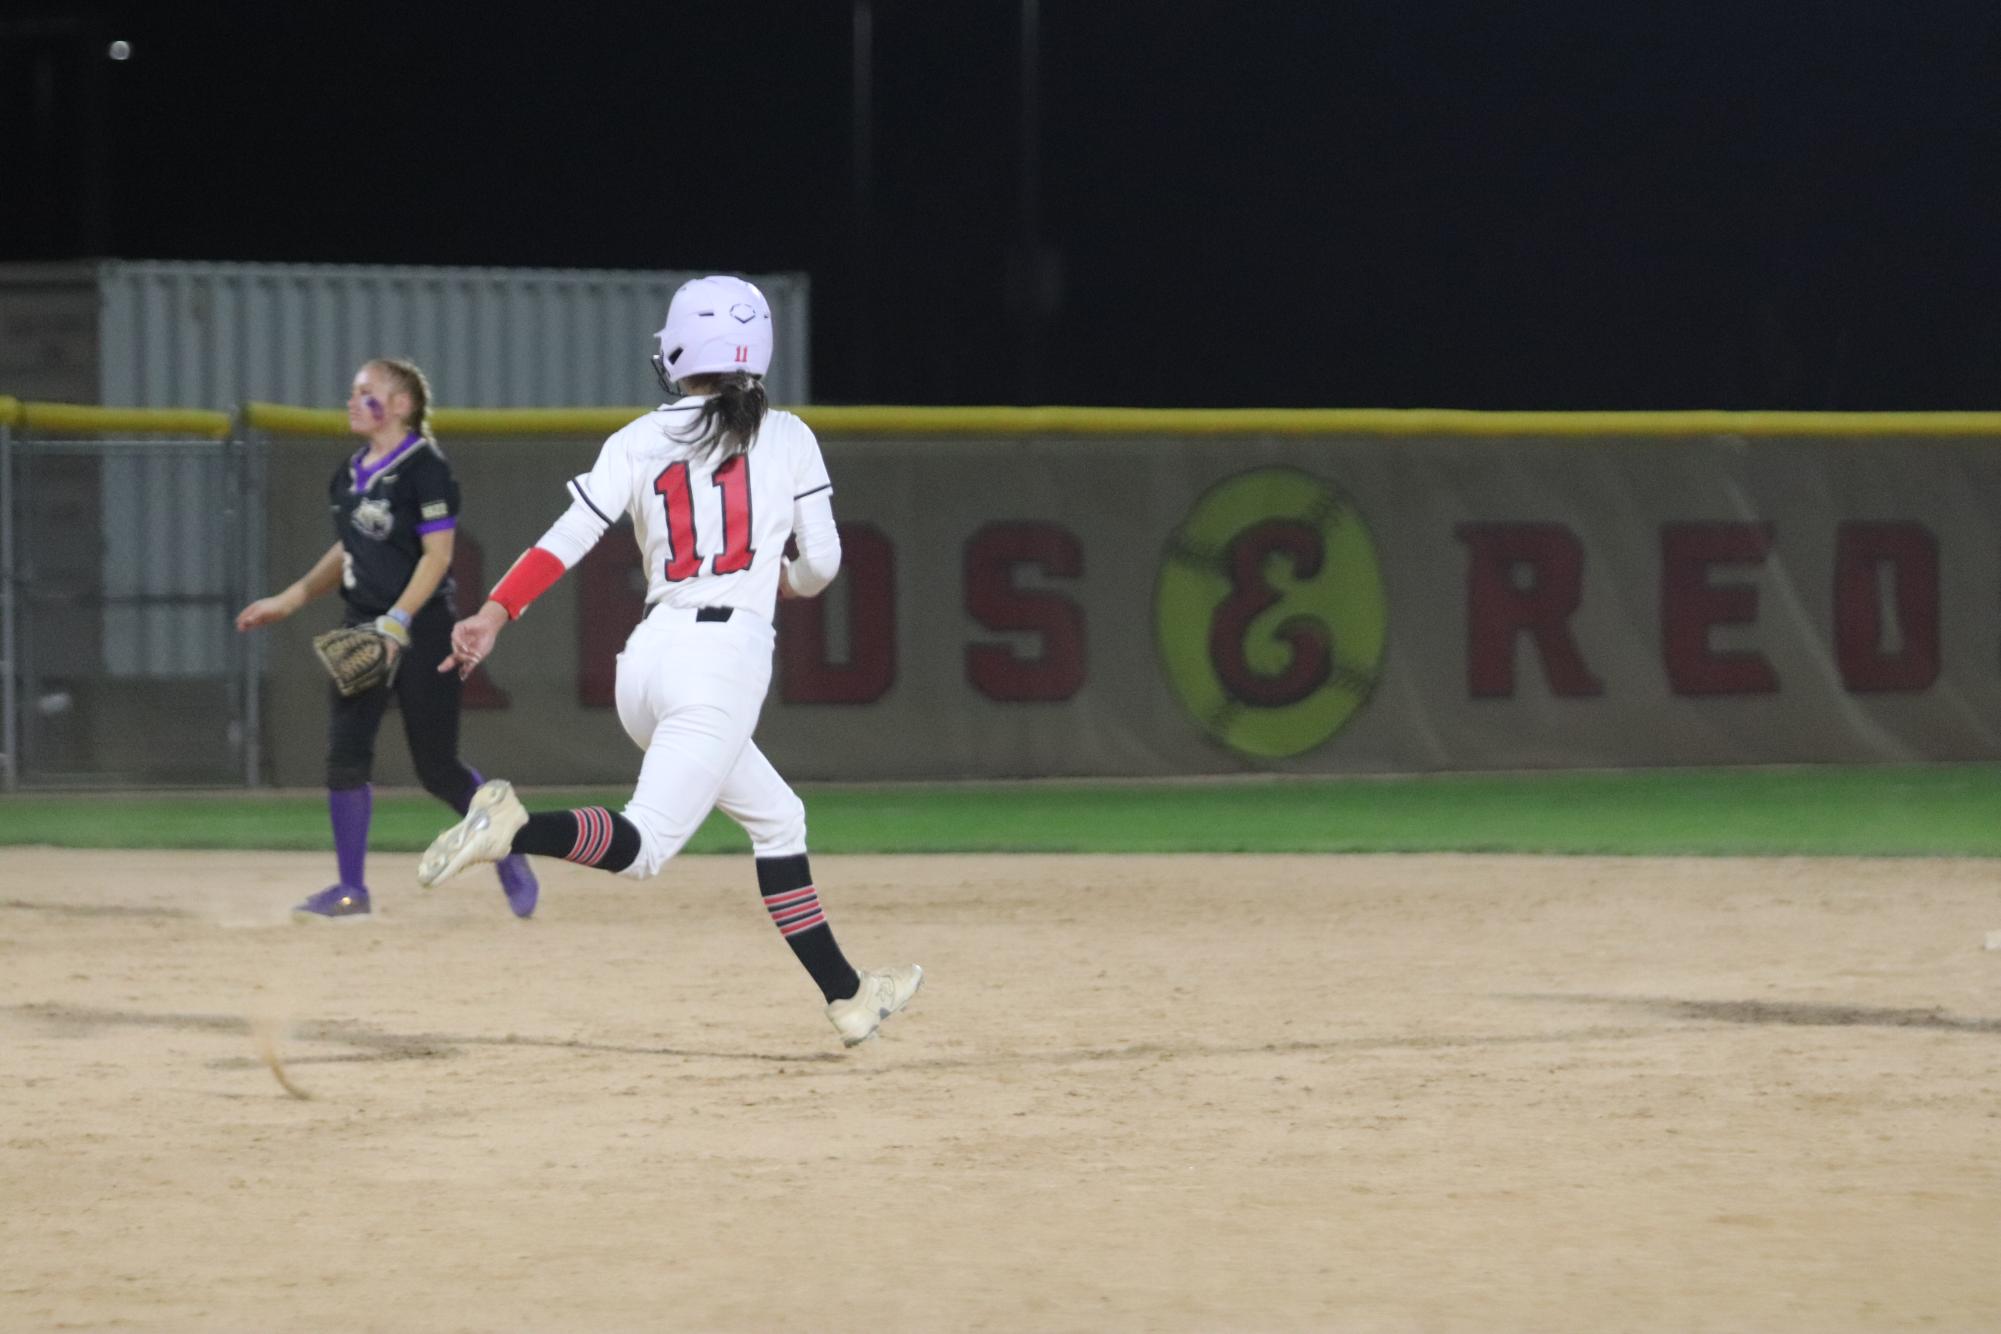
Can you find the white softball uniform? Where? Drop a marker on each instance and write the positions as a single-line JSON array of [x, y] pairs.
[[692, 679]]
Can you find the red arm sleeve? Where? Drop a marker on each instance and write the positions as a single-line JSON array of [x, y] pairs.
[[528, 579]]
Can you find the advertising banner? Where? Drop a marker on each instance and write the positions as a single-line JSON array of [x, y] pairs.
[[1124, 604]]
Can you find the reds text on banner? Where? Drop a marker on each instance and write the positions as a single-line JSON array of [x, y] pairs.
[[1037, 606]]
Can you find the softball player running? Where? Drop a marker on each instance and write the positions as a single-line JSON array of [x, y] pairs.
[[395, 506], [715, 483]]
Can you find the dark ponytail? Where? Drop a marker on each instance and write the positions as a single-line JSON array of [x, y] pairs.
[[729, 421]]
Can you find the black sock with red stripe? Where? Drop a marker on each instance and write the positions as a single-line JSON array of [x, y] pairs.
[[787, 886], [592, 836]]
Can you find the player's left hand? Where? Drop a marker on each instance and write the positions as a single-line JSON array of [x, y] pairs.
[[395, 638], [357, 657], [473, 639]]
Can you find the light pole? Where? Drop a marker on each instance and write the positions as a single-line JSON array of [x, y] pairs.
[[1029, 275], [861, 348]]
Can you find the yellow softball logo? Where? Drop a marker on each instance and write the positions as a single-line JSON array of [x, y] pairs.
[[1270, 612]]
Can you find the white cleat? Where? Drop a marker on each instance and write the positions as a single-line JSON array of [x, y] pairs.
[[485, 835], [883, 992]]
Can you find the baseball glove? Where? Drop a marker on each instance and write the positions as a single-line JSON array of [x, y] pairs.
[[357, 657]]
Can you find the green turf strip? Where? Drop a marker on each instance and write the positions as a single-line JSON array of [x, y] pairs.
[[1952, 810]]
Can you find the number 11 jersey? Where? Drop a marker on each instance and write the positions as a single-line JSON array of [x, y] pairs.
[[711, 527]]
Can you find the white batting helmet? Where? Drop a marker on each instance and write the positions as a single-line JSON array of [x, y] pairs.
[[715, 325]]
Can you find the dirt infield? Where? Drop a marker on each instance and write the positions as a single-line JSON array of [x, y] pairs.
[[1175, 1093]]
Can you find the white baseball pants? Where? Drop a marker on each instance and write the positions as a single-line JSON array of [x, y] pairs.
[[689, 693]]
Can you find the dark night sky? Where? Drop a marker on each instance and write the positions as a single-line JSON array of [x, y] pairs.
[[1539, 205]]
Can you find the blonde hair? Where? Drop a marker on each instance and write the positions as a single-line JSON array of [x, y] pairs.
[[412, 381]]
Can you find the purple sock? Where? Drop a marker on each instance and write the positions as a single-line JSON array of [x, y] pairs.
[[350, 808], [464, 803]]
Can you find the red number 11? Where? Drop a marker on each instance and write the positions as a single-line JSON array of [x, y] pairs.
[[683, 562]]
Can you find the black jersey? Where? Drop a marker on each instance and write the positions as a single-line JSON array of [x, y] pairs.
[[380, 515]]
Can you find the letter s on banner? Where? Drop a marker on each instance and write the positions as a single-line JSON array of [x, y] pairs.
[[993, 554]]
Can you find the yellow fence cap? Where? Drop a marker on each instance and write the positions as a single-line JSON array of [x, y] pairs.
[[281, 419], [1170, 422], [1446, 422], [534, 421], [84, 419]]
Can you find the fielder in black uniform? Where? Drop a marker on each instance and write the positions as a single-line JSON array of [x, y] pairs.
[[395, 507]]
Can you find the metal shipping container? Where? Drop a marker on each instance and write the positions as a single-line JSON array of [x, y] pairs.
[[144, 333]]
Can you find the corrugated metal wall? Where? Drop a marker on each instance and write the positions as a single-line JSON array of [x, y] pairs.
[[193, 335]]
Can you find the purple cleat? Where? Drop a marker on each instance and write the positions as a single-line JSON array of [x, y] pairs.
[[333, 901], [517, 879]]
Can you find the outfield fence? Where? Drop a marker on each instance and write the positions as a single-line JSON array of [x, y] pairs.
[[10, 742], [1076, 592]]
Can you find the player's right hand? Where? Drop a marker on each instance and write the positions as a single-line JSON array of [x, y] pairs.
[[473, 639], [262, 612]]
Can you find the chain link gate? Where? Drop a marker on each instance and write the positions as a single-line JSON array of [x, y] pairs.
[[127, 557]]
